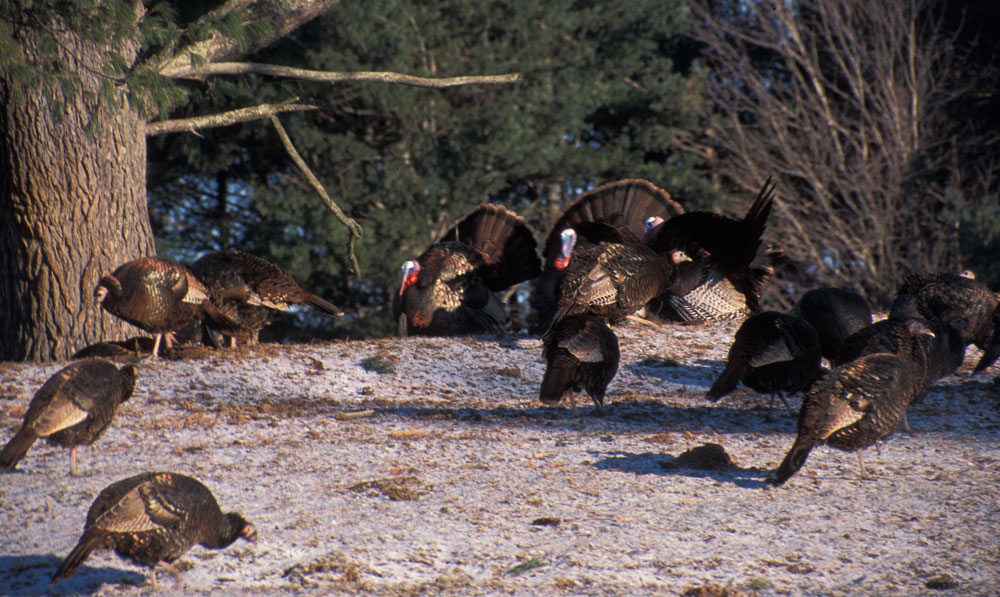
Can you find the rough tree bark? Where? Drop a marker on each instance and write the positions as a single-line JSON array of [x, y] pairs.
[[73, 203], [73, 206]]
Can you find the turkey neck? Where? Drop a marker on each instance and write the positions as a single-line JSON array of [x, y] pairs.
[[225, 532]]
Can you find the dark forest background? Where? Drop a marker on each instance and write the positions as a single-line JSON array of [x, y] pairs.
[[881, 124]]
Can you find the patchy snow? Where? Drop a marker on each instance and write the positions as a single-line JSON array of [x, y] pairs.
[[446, 474]]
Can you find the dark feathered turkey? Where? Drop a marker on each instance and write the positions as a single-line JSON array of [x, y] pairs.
[[835, 314], [153, 519], [73, 408], [945, 350], [857, 404], [612, 213], [249, 289], [581, 354], [992, 349], [941, 296], [772, 353], [614, 280], [158, 296], [739, 265], [450, 289]]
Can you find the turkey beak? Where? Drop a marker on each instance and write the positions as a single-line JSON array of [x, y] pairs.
[[679, 257], [249, 533]]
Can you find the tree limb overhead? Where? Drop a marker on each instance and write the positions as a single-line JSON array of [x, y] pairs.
[[239, 68]]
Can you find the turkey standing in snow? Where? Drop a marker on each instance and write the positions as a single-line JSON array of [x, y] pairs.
[[835, 314], [73, 408], [858, 404], [157, 295], [739, 264], [612, 213], [941, 296], [450, 289], [582, 354], [153, 519], [772, 353], [614, 280], [248, 289]]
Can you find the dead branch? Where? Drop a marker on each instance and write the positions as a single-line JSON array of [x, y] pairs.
[[348, 222], [288, 72], [224, 118]]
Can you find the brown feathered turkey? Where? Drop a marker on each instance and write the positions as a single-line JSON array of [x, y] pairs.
[[451, 288], [835, 314], [739, 264], [857, 404], [772, 353], [581, 353], [153, 519], [614, 280], [612, 213], [248, 289], [159, 296], [73, 408]]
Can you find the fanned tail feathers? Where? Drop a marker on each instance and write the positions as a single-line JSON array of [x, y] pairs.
[[504, 239]]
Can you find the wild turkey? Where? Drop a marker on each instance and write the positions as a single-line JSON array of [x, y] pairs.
[[449, 289], [73, 408], [857, 404], [772, 353], [612, 213], [582, 354], [739, 264], [249, 289], [835, 314], [153, 519], [158, 296], [941, 296], [945, 350], [614, 280], [992, 349]]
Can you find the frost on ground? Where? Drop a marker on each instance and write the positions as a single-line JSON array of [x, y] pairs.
[[411, 466]]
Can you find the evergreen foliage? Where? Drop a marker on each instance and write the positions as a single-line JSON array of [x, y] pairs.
[[605, 87]]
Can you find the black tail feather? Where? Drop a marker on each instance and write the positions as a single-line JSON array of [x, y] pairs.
[[793, 461], [16, 448], [88, 542], [326, 307]]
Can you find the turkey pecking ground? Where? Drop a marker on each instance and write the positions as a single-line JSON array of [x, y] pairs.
[[443, 473]]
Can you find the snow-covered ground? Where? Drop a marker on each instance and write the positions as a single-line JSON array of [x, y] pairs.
[[445, 475]]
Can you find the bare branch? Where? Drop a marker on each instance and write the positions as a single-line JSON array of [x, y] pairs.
[[283, 17], [347, 221], [224, 118], [241, 68]]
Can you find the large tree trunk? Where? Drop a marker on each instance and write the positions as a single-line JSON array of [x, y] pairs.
[[78, 208]]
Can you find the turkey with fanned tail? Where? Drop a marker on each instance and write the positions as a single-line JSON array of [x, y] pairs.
[[739, 264], [249, 289], [159, 296], [612, 213], [74, 407], [581, 354], [858, 404], [772, 353], [451, 288], [153, 519]]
